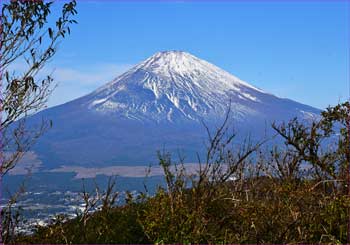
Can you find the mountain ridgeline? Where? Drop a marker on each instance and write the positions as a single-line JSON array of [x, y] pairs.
[[161, 103]]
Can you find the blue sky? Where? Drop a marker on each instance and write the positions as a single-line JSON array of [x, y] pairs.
[[298, 50]]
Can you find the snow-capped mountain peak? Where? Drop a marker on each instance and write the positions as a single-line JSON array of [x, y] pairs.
[[176, 86], [182, 64], [158, 103]]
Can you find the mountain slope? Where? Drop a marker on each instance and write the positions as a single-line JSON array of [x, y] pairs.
[[171, 86], [159, 103]]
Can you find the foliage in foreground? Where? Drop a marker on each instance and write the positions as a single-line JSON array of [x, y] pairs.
[[265, 210], [291, 194], [28, 41]]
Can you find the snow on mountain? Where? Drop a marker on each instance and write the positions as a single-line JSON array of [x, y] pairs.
[[173, 86], [159, 103]]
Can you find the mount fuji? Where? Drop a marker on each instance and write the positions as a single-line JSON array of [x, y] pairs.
[[158, 104]]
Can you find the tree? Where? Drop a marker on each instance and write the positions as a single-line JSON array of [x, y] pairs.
[[26, 36], [324, 144]]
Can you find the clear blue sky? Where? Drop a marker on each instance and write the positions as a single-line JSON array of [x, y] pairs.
[[298, 50]]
